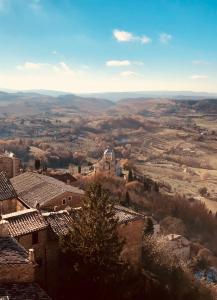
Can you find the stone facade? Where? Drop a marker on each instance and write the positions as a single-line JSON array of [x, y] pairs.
[[132, 233], [10, 165], [17, 273], [178, 246], [11, 205]]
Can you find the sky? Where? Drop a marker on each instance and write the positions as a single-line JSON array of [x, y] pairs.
[[108, 45]]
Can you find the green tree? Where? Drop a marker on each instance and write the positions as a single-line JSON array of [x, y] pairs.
[[37, 164], [130, 175], [127, 199], [93, 243], [149, 229]]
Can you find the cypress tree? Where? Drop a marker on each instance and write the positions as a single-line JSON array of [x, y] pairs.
[[127, 199], [149, 229], [37, 164], [93, 243], [130, 176]]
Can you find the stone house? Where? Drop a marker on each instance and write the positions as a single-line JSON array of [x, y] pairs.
[[30, 230], [131, 229], [178, 245], [9, 164], [46, 193], [9, 201], [17, 269]]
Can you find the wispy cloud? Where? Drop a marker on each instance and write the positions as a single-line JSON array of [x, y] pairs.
[[196, 77], [125, 36], [165, 38], [32, 66], [200, 62], [129, 74], [118, 63]]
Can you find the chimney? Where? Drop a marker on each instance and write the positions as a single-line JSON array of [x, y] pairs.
[[4, 231], [55, 208], [32, 256]]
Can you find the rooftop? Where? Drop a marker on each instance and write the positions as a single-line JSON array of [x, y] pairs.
[[6, 188], [22, 291], [59, 221], [125, 214], [11, 252], [36, 188], [25, 221]]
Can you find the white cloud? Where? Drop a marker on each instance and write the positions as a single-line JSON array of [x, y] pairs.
[[118, 63], [200, 62], [30, 66], [144, 39], [195, 77], [165, 38], [128, 74], [125, 36]]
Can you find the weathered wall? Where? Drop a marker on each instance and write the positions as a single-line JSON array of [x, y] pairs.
[[11, 205], [17, 273], [6, 165], [71, 199], [132, 232]]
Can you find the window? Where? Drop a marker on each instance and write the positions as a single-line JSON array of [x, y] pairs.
[[34, 238], [70, 198], [64, 201]]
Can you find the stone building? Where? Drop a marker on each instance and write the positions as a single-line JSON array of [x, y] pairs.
[[131, 228], [17, 269], [9, 201], [46, 193], [10, 164], [178, 245], [108, 164]]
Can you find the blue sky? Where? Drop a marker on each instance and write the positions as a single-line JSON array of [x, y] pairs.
[[108, 45]]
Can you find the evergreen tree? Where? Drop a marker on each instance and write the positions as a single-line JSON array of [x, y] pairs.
[[130, 176], [127, 199], [149, 229], [93, 243], [37, 164]]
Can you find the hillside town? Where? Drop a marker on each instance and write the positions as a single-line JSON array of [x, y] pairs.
[[37, 210]]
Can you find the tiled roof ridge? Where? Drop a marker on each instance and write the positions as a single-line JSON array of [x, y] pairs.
[[19, 213], [7, 190], [128, 210]]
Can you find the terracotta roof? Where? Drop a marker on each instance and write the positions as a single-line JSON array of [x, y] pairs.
[[127, 215], [59, 221], [6, 188], [11, 252], [22, 291], [36, 188], [25, 221]]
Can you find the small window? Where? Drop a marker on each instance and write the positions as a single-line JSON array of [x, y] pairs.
[[34, 238], [70, 198], [64, 201]]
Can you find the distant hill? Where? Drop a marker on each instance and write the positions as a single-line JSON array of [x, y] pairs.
[[117, 96]]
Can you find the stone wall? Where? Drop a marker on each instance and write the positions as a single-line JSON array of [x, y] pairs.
[[11, 205], [17, 272], [132, 232], [66, 199], [9, 165]]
